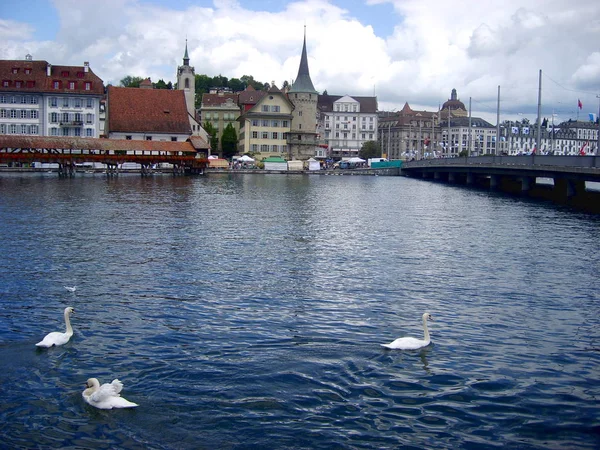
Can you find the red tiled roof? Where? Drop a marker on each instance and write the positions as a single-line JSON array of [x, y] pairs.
[[209, 100], [250, 96], [32, 77], [135, 110]]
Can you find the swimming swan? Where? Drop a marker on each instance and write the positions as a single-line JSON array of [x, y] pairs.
[[410, 343], [56, 337], [105, 396]]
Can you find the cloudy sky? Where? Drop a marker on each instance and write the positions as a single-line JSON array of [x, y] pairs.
[[411, 51]]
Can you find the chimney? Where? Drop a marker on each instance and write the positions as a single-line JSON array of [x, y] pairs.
[[86, 67], [49, 70]]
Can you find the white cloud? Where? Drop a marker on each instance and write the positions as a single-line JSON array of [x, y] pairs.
[[472, 46]]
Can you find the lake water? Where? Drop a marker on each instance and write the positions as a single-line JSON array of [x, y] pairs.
[[246, 311]]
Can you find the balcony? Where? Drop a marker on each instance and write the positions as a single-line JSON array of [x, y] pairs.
[[72, 123]]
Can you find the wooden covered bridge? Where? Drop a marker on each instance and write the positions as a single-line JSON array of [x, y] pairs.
[[185, 157]]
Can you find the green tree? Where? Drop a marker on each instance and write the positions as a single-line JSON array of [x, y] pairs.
[[370, 149], [212, 134], [236, 85], [219, 81], [160, 84], [131, 81], [229, 141]]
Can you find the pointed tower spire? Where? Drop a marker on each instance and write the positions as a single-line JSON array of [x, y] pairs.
[[186, 58], [303, 82]]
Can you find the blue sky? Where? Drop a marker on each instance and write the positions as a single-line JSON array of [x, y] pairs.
[[411, 51]]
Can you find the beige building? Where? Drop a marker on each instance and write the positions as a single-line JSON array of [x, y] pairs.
[[264, 127], [220, 108]]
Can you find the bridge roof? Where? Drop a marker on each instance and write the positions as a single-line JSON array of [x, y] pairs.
[[74, 143]]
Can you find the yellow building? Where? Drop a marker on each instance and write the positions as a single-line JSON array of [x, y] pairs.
[[264, 127]]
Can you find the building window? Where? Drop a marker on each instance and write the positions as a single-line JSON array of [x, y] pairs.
[[275, 124], [77, 131], [255, 135], [54, 131], [173, 138], [23, 114], [2, 128], [13, 129], [275, 108], [53, 117], [34, 129], [299, 126], [254, 148], [89, 103], [88, 86], [53, 101], [274, 135], [65, 117], [13, 99], [264, 148], [5, 83], [13, 113], [64, 74], [89, 132], [128, 137], [265, 108], [18, 84], [284, 124], [23, 129], [2, 113], [148, 138], [77, 103], [88, 118], [56, 84], [255, 123], [27, 71], [65, 102], [299, 113], [265, 135], [265, 123], [65, 131], [71, 85], [2, 98]]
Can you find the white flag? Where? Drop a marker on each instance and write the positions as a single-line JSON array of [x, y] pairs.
[[525, 130], [515, 130]]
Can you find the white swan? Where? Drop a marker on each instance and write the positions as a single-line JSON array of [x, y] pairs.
[[410, 343], [56, 337], [105, 396], [71, 288]]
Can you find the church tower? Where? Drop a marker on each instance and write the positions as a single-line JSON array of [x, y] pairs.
[[302, 139], [186, 81]]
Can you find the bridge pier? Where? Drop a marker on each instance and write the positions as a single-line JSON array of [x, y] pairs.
[[566, 189], [451, 177], [470, 178], [527, 183], [494, 181]]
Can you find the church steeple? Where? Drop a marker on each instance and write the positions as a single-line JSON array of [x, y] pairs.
[[186, 58], [303, 83]]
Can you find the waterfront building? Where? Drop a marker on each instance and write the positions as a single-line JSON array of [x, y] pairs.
[[39, 99], [571, 137], [302, 140], [148, 114], [345, 124], [455, 136], [220, 108], [265, 123], [409, 134]]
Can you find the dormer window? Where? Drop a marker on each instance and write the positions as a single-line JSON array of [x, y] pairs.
[[18, 84], [88, 86], [15, 70], [56, 84], [80, 74], [5, 83], [27, 71], [71, 85], [30, 83]]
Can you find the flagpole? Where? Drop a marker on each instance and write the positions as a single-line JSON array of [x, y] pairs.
[[539, 118], [497, 124]]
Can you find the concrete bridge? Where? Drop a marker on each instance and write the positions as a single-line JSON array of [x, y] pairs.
[[563, 179]]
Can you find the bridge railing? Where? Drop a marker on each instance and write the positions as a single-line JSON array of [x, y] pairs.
[[529, 160]]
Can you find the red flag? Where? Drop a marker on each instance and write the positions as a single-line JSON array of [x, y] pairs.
[[579, 104], [582, 150]]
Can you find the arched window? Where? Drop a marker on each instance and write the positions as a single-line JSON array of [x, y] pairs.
[[187, 83]]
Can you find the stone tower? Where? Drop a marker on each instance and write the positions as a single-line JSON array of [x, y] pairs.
[[302, 139], [186, 81]]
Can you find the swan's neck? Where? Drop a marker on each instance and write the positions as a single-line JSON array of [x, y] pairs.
[[427, 338], [68, 323]]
